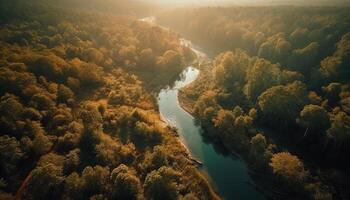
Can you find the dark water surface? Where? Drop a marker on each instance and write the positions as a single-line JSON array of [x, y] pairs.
[[228, 174]]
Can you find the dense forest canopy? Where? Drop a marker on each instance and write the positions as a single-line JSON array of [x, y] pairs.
[[78, 116], [277, 91], [78, 97]]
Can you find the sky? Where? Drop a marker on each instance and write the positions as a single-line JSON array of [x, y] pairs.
[[252, 2]]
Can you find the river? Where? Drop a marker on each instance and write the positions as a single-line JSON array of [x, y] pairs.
[[228, 174]]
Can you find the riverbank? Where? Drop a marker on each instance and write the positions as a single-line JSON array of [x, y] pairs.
[[263, 180], [186, 103], [198, 174], [193, 164]]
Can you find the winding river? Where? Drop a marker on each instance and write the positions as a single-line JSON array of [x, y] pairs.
[[228, 174]]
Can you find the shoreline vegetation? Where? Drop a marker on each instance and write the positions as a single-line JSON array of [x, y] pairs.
[[174, 132], [277, 92], [187, 104]]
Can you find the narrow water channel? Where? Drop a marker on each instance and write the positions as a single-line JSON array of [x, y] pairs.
[[228, 174]]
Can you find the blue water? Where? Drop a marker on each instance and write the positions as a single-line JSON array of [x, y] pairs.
[[229, 175]]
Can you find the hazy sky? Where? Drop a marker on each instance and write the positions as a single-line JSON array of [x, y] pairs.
[[252, 2]]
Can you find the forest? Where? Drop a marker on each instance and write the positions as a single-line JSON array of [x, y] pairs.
[[277, 92], [78, 116], [79, 106]]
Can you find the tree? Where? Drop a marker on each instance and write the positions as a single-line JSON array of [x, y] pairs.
[[92, 55], [258, 146], [261, 76], [315, 118], [41, 143], [206, 100], [224, 121], [73, 187], [88, 141], [305, 58], [11, 111], [46, 182], [73, 83], [15, 81], [290, 77], [253, 113], [95, 180], [147, 58], [125, 184], [299, 36], [146, 133], [10, 154], [335, 67], [289, 168], [332, 92], [32, 114], [282, 104], [107, 151], [340, 128], [230, 67], [91, 117], [162, 184], [345, 104], [64, 94], [71, 137], [314, 98], [72, 161], [155, 160], [208, 114], [50, 66], [90, 75], [171, 61], [42, 102]]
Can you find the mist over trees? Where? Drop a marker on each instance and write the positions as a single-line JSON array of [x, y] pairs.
[[182, 3]]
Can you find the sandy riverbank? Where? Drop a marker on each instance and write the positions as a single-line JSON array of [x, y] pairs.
[[186, 103]]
